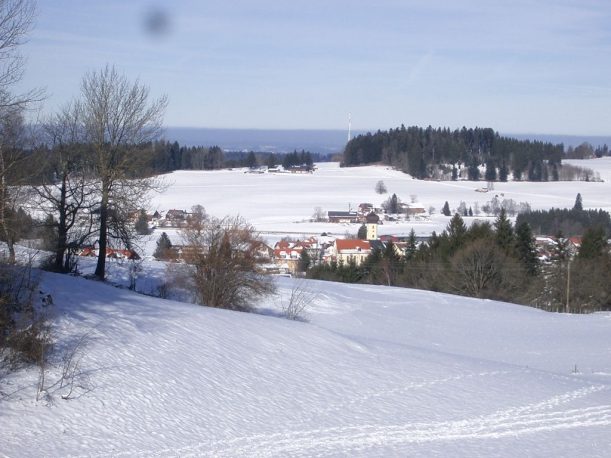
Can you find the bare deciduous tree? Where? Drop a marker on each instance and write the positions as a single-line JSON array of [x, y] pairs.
[[318, 215], [16, 18], [222, 254], [11, 195], [381, 187], [118, 116], [482, 270], [68, 195]]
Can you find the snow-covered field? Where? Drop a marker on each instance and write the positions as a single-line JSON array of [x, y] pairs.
[[284, 203], [377, 371]]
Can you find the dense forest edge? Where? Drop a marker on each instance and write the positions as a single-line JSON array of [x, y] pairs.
[[467, 153]]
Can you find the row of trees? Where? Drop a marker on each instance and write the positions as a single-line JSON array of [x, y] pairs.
[[22, 331], [497, 261], [88, 191], [570, 222], [161, 156], [422, 152], [586, 151]]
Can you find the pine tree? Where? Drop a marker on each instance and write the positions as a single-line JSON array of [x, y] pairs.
[[490, 171], [593, 243], [560, 251], [526, 250], [251, 160], [362, 233], [304, 261], [503, 172], [446, 209], [504, 232], [473, 171], [410, 251], [578, 203], [271, 161], [457, 230], [391, 205], [391, 263], [142, 225], [163, 247]]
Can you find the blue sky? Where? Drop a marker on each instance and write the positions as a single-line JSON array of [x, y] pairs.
[[517, 66]]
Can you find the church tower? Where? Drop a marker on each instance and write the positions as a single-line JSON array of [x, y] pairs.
[[372, 221]]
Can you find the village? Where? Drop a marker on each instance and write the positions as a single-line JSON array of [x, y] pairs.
[[293, 256]]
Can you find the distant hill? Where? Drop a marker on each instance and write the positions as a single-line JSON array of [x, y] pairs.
[[567, 140], [271, 140], [318, 140]]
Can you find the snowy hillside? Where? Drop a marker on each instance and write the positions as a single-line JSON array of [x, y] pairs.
[[377, 371]]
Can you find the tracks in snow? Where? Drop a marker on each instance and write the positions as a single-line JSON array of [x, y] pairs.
[[544, 416]]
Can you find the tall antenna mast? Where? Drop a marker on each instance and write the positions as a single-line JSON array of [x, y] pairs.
[[349, 126]]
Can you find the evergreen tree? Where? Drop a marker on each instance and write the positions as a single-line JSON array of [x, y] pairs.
[[411, 248], [457, 230], [454, 173], [473, 170], [142, 224], [593, 243], [371, 266], [490, 171], [555, 173], [578, 203], [446, 209], [391, 205], [391, 263], [163, 247], [526, 250], [251, 160], [362, 233], [307, 160], [304, 261], [470, 211], [503, 172], [271, 161], [561, 249], [504, 232]]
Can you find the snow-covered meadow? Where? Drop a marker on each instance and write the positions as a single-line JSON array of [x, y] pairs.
[[284, 203], [375, 371]]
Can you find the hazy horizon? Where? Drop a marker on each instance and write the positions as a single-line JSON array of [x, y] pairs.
[[324, 141]]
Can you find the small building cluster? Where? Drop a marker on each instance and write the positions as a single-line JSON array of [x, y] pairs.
[[111, 253], [404, 210], [291, 256], [547, 246], [173, 218]]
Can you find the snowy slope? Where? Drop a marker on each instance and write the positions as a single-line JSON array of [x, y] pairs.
[[377, 371]]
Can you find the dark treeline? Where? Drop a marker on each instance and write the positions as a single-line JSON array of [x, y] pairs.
[[586, 151], [159, 157], [422, 152], [164, 156], [564, 221], [496, 261]]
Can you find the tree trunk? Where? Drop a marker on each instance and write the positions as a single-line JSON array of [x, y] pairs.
[[62, 231], [3, 207], [100, 270]]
